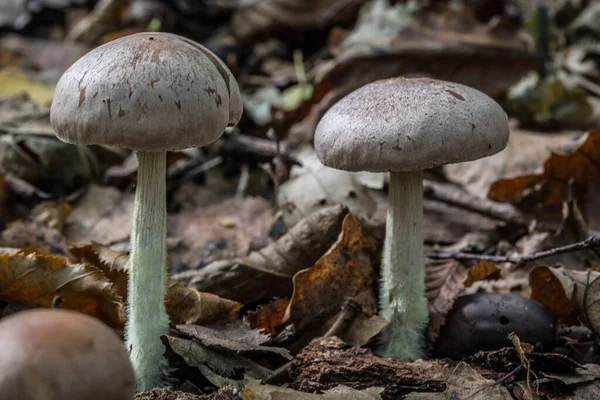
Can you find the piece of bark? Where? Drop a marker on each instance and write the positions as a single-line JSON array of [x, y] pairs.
[[327, 362]]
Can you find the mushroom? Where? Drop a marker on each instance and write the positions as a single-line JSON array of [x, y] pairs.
[[405, 126], [150, 92], [62, 355]]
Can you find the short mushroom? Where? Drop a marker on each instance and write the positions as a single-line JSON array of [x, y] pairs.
[[150, 92], [62, 355], [405, 126]]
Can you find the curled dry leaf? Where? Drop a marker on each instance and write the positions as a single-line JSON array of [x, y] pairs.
[[188, 306], [268, 272], [234, 335], [184, 305], [444, 280], [214, 363], [341, 273], [35, 279]]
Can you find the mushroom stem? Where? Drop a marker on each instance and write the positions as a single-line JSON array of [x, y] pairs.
[[147, 316], [402, 296]]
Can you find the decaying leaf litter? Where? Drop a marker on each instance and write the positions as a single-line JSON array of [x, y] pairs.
[[274, 258]]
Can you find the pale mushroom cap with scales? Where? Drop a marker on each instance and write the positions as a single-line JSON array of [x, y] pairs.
[[147, 91], [410, 124]]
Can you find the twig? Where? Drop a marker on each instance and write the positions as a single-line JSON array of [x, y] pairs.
[[500, 381], [589, 243], [453, 195]]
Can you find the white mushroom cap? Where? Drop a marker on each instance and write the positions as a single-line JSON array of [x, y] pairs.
[[147, 91], [410, 124]]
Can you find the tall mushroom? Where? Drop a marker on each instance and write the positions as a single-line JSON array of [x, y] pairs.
[[150, 92], [405, 126]]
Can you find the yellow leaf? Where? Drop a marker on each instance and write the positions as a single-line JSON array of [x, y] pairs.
[[14, 81]]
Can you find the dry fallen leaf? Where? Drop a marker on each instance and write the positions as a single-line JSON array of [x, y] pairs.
[[525, 153], [466, 384], [444, 280], [220, 231], [234, 335], [268, 316], [102, 215], [341, 273], [268, 272], [570, 295], [578, 166], [36, 279], [217, 365], [184, 305], [188, 306], [276, 16], [482, 270], [315, 186], [257, 390]]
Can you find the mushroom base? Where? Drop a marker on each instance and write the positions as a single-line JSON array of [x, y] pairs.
[[147, 316], [402, 297]]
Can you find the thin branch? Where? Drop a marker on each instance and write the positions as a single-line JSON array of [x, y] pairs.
[[589, 243], [457, 197]]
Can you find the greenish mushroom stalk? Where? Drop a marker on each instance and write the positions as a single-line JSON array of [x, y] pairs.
[[147, 315], [150, 92], [405, 126], [402, 301]]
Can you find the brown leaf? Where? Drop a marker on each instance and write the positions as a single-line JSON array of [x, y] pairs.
[[579, 165], [233, 335], [102, 215], [444, 280], [25, 235], [268, 272], [188, 306], [562, 291], [315, 186], [483, 270], [184, 305], [524, 155], [220, 231], [36, 279], [42, 229], [343, 272], [268, 316]]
